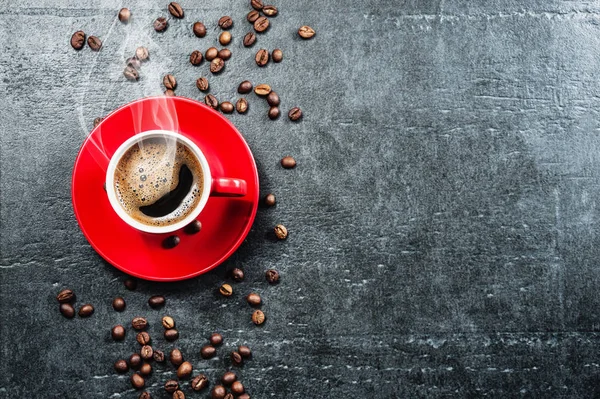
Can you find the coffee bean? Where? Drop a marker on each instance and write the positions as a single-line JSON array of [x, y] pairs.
[[237, 274], [146, 369], [145, 395], [211, 101], [258, 317], [137, 381], [249, 39], [124, 15], [261, 24], [175, 10], [118, 333], [244, 396], [86, 310], [208, 351], [262, 90], [142, 53], [168, 322], [241, 106], [199, 382], [161, 24], [171, 334], [226, 107], [228, 378], [229, 396], [133, 62], [199, 29], [252, 16], [156, 301], [171, 386], [216, 339], [184, 370], [135, 360], [225, 22], [78, 40], [158, 356], [244, 351], [295, 114], [273, 113], [245, 87], [253, 299], [67, 310], [139, 323], [170, 82], [217, 65], [146, 352], [226, 290], [277, 55], [130, 284], [306, 32], [121, 366], [131, 73], [178, 395], [257, 4], [176, 357], [98, 120], [225, 38], [65, 296], [211, 53], [270, 200], [273, 99], [281, 232], [270, 11], [143, 338], [225, 54], [272, 276], [118, 304], [237, 388], [202, 85], [218, 392], [288, 162], [236, 358], [94, 43], [170, 242], [196, 57], [169, 93]]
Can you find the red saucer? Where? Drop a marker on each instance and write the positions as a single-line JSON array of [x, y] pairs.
[[225, 221]]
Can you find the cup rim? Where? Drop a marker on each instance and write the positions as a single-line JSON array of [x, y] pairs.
[[116, 205]]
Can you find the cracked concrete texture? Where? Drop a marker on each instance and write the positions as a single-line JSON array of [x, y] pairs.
[[443, 221]]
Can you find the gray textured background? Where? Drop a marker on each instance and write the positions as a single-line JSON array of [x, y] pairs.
[[443, 216]]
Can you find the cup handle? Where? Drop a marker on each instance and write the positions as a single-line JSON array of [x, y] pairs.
[[228, 187]]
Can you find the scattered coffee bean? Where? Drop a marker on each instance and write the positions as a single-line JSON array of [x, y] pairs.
[[199, 382], [218, 392], [216, 339], [261, 24], [184, 370], [124, 15], [146, 369], [244, 396], [145, 395], [199, 29], [98, 120], [137, 381], [226, 290], [236, 358], [142, 53], [170, 82], [225, 38], [241, 106], [225, 22], [229, 396], [252, 16], [139, 323], [178, 395], [288, 162], [228, 378], [133, 62], [135, 360], [226, 107], [257, 4], [95, 43], [195, 226], [196, 57], [262, 90], [249, 39], [273, 113], [280, 232], [65, 296], [253, 299], [211, 101], [208, 351], [277, 55], [168, 322], [270, 11], [237, 274], [171, 334], [161, 24], [237, 388], [175, 10], [306, 32], [171, 386], [156, 301], [211, 53], [121, 366], [143, 338], [78, 40], [169, 93], [176, 357], [295, 114], [118, 304], [245, 87], [258, 317], [67, 310], [131, 73], [217, 65], [118, 333], [270, 200], [130, 284], [171, 242], [225, 54], [86, 310], [158, 355], [146, 352], [272, 276], [273, 99], [244, 351]]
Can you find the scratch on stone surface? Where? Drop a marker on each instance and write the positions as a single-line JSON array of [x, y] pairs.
[[16, 264]]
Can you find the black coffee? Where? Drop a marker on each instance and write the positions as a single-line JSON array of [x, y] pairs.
[[159, 181]]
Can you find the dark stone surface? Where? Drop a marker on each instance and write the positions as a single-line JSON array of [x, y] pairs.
[[443, 216]]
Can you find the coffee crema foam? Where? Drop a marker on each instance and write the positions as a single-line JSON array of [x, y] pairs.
[[149, 170]]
